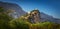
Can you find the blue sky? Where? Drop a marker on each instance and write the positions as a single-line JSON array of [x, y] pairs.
[[50, 7]]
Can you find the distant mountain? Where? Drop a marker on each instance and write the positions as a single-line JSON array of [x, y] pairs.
[[45, 17], [18, 12], [11, 6]]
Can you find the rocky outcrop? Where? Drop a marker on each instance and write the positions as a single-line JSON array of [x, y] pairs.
[[33, 16]]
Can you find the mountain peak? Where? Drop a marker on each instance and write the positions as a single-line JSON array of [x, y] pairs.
[[12, 6]]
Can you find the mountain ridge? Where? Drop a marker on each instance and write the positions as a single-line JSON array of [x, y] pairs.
[[45, 17], [12, 6]]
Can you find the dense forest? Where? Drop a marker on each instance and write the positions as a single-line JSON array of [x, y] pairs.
[[7, 22]]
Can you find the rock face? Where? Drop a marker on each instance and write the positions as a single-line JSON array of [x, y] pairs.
[[11, 6], [33, 16]]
